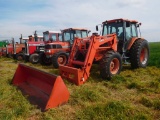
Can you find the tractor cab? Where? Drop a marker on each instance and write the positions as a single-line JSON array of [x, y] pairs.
[[52, 36], [70, 34], [126, 30], [64, 40]]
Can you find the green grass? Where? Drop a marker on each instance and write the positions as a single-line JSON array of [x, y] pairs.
[[131, 95], [154, 54]]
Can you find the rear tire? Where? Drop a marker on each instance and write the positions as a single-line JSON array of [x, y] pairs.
[[59, 58], [20, 56], [34, 58], [139, 54], [110, 64], [44, 60]]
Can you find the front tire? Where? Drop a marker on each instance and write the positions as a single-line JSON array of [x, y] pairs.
[[44, 60], [34, 58], [110, 65], [59, 58], [139, 54], [20, 56]]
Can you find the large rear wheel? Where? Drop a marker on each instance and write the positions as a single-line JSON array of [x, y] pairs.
[[139, 54], [59, 58], [110, 65]]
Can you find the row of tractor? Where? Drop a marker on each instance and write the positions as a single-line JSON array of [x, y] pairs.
[[73, 51], [51, 48]]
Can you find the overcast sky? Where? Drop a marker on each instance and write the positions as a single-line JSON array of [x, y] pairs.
[[26, 16]]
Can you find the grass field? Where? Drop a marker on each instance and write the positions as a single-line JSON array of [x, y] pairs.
[[132, 95]]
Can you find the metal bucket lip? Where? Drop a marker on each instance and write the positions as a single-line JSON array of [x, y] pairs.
[[22, 64]]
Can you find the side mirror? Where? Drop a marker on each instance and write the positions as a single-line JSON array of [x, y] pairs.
[[139, 24], [96, 27]]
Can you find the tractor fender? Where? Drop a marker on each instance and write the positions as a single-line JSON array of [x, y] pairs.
[[132, 42]]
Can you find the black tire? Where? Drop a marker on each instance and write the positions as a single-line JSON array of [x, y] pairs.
[[43, 60], [20, 56], [110, 65], [10, 55], [139, 54], [59, 58], [26, 58], [34, 58]]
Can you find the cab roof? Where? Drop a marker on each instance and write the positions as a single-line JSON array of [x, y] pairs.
[[120, 19], [75, 29], [37, 36], [52, 31]]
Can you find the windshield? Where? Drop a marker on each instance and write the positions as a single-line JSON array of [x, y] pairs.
[[81, 33], [60, 37], [53, 37], [113, 28], [68, 36], [46, 36]]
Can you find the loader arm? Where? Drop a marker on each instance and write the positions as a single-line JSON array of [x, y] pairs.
[[78, 70]]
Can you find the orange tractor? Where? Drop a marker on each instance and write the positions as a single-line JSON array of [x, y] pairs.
[[118, 44], [57, 52], [50, 37]]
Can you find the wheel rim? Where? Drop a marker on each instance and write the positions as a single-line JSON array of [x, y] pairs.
[[62, 59], [20, 57], [114, 66], [35, 59], [144, 56]]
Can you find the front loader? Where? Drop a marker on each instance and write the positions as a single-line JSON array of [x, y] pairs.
[[118, 44]]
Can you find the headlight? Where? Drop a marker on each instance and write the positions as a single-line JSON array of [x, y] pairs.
[[48, 51]]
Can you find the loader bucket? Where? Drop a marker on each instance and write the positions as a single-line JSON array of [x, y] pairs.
[[42, 89], [73, 75]]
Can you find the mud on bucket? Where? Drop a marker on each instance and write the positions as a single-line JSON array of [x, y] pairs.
[[42, 89]]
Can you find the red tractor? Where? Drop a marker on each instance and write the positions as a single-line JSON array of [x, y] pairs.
[[33, 48], [118, 44], [9, 49], [19, 48], [57, 52]]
